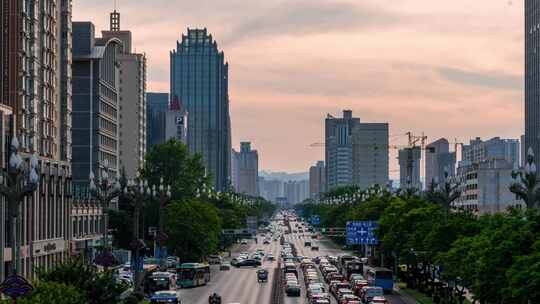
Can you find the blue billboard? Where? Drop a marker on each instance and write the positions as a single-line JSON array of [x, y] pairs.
[[315, 219], [361, 233]]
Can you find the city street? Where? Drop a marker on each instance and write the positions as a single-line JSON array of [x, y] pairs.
[[325, 248], [239, 285]]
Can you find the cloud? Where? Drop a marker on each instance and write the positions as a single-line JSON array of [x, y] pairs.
[[311, 17], [492, 80]]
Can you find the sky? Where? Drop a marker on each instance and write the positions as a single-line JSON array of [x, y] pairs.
[[449, 69]]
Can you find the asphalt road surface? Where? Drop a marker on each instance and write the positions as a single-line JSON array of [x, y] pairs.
[[239, 285]]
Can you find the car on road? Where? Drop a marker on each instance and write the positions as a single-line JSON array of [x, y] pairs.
[[370, 292], [270, 257], [244, 242], [225, 266], [248, 262], [314, 248], [266, 241], [293, 290], [379, 300]]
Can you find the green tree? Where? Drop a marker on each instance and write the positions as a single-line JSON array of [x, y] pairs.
[[185, 172], [194, 229], [53, 293], [97, 287]]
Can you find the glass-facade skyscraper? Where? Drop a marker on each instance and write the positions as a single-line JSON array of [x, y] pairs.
[[199, 78], [532, 76]]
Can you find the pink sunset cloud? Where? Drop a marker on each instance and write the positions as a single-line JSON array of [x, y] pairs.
[[445, 68]]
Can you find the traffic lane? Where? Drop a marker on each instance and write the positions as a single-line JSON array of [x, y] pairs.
[[298, 240], [326, 247], [236, 285]]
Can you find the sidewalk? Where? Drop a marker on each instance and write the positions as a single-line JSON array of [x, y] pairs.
[[403, 296]]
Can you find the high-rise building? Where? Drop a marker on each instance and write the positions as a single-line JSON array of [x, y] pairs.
[[439, 160], [339, 149], [132, 99], [246, 170], [35, 97], [356, 153], [409, 168], [370, 154], [270, 189], [317, 180], [156, 105], [296, 191], [532, 81], [96, 90], [199, 78], [478, 150], [95, 103]]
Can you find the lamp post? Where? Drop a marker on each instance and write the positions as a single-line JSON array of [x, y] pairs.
[[526, 182], [163, 194], [137, 192], [21, 180], [104, 191]]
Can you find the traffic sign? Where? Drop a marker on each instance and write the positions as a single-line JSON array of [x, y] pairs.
[[315, 219], [362, 233]]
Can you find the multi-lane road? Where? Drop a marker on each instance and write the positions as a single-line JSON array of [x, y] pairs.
[[239, 285]]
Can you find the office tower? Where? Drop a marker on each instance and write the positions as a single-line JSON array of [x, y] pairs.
[[356, 153], [317, 180], [246, 170], [35, 99], [176, 120], [156, 105], [132, 99], [199, 77], [438, 161], [532, 81], [370, 154], [95, 103], [339, 149], [478, 150]]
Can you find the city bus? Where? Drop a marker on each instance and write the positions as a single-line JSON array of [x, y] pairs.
[[193, 275], [381, 277], [159, 281]]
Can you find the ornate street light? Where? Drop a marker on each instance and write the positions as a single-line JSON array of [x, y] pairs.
[[526, 182], [19, 181], [137, 192], [163, 194], [104, 191]]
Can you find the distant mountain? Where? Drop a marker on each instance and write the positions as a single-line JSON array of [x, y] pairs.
[[284, 176]]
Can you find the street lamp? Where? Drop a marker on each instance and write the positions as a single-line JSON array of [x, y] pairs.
[[163, 194], [104, 191], [526, 182], [137, 192], [20, 181]]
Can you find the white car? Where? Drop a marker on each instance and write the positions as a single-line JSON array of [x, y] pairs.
[[243, 242]]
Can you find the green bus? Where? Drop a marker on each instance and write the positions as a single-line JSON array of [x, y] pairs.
[[192, 275]]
